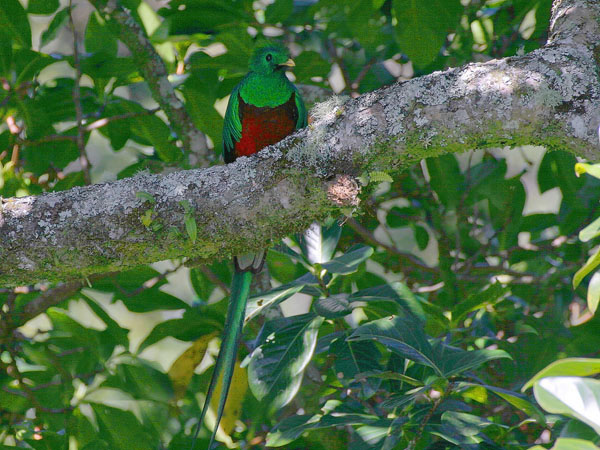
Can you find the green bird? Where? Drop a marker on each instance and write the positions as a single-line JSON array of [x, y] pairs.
[[263, 108]]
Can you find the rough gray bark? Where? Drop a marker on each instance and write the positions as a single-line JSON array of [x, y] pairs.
[[550, 97]]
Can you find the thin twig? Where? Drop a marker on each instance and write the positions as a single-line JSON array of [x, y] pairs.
[[88, 128], [340, 62], [362, 74], [213, 278]]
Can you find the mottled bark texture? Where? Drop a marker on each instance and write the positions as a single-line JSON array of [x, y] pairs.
[[550, 97]]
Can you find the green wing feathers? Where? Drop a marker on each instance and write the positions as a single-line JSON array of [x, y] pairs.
[[232, 334], [302, 113], [232, 127]]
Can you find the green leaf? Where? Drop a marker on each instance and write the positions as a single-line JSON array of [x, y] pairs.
[[573, 444], [200, 16], [277, 365], [279, 10], [354, 357], [190, 227], [140, 380], [592, 262], [490, 296], [566, 367], [145, 129], [98, 36], [13, 19], [556, 169], [122, 429], [29, 63], [335, 414], [58, 22], [42, 6], [454, 361], [399, 217], [572, 396], [578, 430], [194, 324], [421, 236], [276, 295], [200, 101], [593, 293], [5, 54], [348, 262], [114, 334], [403, 336], [145, 196], [517, 400], [444, 173], [310, 64], [318, 242], [151, 300], [422, 26], [396, 292], [591, 231], [332, 307]]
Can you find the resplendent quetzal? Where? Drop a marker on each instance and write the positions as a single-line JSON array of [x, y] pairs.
[[263, 108]]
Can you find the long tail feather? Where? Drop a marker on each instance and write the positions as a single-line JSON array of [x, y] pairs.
[[232, 333]]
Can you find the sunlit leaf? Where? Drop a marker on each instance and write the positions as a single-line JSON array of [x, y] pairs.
[[348, 262], [566, 367], [318, 242], [593, 293], [573, 396]]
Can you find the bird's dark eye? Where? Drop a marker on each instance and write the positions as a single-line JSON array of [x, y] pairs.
[[269, 57]]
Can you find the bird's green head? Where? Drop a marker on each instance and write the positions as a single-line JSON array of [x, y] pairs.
[[270, 58]]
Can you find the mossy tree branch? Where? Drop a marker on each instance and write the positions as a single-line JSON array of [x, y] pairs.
[[550, 97]]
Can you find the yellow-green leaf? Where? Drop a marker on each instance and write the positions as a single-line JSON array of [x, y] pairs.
[[590, 265], [182, 369], [593, 294], [235, 398], [592, 169]]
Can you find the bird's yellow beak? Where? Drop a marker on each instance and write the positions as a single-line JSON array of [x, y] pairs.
[[289, 63]]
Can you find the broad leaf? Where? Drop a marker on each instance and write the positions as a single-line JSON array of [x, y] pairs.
[[332, 307], [42, 6], [593, 293], [581, 367], [403, 336], [271, 298], [478, 300], [277, 365], [348, 262], [573, 396], [122, 429], [354, 357], [395, 292], [318, 242], [591, 231], [183, 367], [592, 262], [194, 324], [13, 19], [454, 361]]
